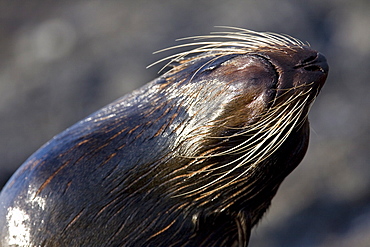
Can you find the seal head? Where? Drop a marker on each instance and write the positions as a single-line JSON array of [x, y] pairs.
[[193, 158]]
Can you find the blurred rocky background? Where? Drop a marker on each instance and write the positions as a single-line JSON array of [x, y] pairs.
[[62, 60]]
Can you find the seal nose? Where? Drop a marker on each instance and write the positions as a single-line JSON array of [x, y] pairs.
[[317, 63]]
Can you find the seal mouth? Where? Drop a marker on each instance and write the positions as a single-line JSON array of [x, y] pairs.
[[317, 67]]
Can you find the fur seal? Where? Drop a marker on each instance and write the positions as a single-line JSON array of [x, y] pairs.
[[193, 158]]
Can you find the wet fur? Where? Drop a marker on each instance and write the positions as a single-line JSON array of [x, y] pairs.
[[191, 159]]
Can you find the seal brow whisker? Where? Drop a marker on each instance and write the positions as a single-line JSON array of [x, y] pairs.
[[243, 42]]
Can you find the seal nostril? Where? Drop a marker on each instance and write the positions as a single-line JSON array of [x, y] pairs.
[[313, 68], [314, 63]]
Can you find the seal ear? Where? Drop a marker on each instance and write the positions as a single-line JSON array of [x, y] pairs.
[[244, 229], [222, 229]]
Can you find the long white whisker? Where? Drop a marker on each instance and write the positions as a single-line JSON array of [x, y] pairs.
[[240, 41]]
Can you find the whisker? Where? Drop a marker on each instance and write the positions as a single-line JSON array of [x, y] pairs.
[[239, 41], [257, 151]]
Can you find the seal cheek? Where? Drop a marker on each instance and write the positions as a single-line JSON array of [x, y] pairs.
[[251, 80]]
